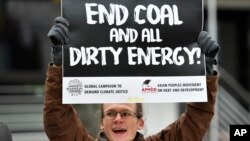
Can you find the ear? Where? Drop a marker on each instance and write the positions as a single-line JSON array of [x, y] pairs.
[[140, 124], [101, 125]]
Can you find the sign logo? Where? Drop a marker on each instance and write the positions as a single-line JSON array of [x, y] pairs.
[[75, 87], [147, 88], [239, 132]]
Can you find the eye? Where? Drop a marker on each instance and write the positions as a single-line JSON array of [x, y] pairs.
[[126, 114], [110, 114]]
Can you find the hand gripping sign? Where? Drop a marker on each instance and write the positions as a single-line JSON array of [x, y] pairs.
[[133, 51]]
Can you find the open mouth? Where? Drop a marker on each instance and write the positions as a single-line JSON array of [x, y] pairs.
[[119, 130]]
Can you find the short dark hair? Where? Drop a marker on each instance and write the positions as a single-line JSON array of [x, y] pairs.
[[139, 110]]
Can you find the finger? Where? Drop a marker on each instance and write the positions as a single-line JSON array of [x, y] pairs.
[[62, 21], [60, 34], [213, 50], [63, 29], [210, 46], [53, 35], [204, 44], [202, 35]]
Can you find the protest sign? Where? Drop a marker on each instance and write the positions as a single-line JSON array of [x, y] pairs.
[[128, 51]]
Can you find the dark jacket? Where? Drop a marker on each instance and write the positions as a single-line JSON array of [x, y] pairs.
[[61, 122]]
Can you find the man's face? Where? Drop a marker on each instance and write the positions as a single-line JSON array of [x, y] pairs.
[[120, 122]]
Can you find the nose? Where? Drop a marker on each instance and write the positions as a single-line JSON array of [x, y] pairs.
[[118, 118]]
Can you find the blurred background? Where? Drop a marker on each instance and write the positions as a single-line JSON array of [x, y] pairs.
[[25, 54]]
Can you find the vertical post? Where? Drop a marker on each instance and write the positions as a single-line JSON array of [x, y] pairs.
[[212, 30], [212, 18]]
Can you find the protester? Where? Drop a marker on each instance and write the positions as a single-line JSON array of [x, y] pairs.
[[122, 121]]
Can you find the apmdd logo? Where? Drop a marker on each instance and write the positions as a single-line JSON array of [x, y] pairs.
[[239, 132], [147, 88], [75, 87]]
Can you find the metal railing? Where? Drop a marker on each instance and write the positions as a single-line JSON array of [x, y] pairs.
[[21, 107]]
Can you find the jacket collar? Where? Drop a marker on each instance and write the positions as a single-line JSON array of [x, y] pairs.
[[102, 137]]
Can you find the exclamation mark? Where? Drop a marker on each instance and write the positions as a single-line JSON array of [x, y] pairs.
[[198, 55]]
